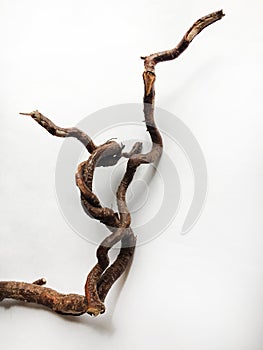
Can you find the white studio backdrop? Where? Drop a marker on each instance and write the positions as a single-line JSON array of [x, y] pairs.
[[68, 59]]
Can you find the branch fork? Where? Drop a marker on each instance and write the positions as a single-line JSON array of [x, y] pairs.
[[103, 275]]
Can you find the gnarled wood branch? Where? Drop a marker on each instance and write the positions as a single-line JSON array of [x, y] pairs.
[[102, 277]]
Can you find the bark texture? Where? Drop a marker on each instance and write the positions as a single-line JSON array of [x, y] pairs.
[[103, 275]]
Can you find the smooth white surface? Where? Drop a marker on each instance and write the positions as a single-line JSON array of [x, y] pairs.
[[71, 58]]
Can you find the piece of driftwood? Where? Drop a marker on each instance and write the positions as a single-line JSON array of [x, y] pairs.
[[103, 275]]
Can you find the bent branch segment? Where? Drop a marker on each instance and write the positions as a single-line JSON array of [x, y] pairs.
[[118, 267], [91, 204], [151, 60], [62, 132], [67, 304]]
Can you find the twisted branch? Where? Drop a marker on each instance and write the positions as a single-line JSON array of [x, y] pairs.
[[84, 179], [102, 277]]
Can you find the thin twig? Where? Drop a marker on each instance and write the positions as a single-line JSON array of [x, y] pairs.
[[62, 132]]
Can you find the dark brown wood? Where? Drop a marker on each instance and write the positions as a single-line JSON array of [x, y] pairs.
[[102, 276], [151, 60], [62, 132], [84, 178]]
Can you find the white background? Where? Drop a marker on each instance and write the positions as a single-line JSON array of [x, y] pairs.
[[71, 58]]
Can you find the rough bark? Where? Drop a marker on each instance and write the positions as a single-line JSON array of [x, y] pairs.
[[102, 276]]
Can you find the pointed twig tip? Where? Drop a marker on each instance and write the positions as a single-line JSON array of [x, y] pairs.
[[24, 113], [221, 12]]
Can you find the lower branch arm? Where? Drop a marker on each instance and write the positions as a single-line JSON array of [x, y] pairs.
[[68, 304]]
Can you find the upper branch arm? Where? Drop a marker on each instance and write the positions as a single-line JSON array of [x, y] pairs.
[[151, 60], [62, 132]]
